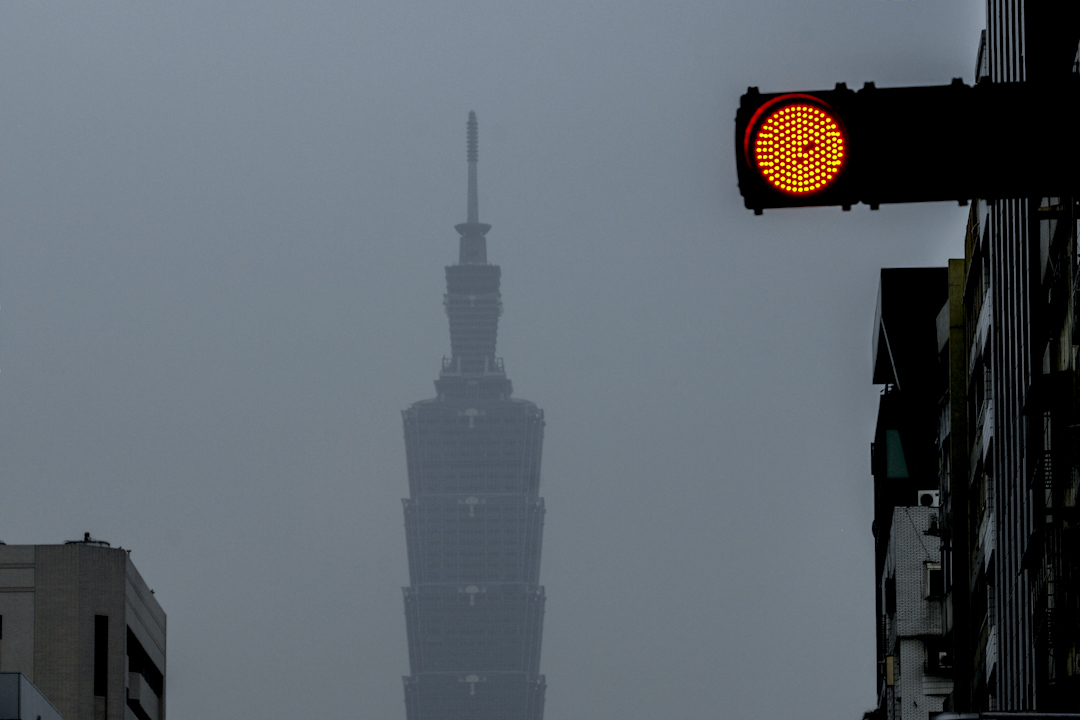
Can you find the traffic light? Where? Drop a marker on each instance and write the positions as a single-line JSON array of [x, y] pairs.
[[908, 144]]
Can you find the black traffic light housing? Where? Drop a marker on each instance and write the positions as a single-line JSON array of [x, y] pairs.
[[917, 144]]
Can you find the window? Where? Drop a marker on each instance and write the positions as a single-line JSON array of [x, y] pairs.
[[139, 662], [938, 659], [101, 655], [895, 463], [935, 580], [890, 596]]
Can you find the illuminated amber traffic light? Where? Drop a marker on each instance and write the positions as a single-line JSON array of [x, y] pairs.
[[795, 149], [797, 145], [909, 144]]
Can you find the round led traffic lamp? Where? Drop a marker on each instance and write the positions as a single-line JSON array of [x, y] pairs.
[[797, 144]]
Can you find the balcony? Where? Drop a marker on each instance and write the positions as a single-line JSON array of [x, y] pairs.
[[142, 699], [491, 366]]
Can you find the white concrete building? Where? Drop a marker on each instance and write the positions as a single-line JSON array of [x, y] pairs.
[[917, 664]]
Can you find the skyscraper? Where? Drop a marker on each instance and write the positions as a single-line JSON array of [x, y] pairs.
[[474, 518]]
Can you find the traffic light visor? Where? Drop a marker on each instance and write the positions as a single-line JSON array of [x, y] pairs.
[[797, 144]]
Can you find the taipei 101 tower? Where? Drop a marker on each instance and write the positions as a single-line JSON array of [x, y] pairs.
[[474, 518]]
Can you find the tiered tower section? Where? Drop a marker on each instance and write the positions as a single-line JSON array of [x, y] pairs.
[[474, 518]]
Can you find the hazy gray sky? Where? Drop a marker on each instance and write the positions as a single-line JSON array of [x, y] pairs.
[[222, 233]]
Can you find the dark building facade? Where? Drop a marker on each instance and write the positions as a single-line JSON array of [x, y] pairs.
[[995, 415], [474, 517], [914, 668], [1019, 614]]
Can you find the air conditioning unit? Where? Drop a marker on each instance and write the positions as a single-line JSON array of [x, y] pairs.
[[929, 498]]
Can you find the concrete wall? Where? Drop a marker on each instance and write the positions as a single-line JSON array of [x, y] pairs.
[[917, 617], [50, 597], [17, 609]]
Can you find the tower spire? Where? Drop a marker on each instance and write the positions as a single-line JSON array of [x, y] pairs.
[[473, 246], [473, 143]]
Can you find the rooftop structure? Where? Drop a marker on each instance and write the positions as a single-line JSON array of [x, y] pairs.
[[20, 700]]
